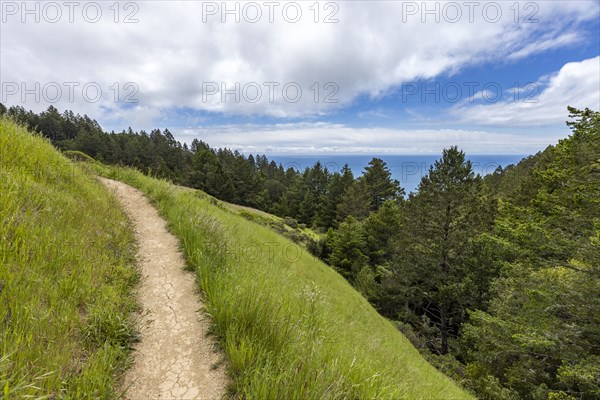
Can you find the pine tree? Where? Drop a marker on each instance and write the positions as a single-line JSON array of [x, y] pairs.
[[356, 201], [540, 335], [382, 229], [434, 271], [380, 185], [315, 181], [346, 248], [338, 184]]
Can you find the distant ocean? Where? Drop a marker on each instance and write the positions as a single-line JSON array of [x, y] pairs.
[[406, 169]]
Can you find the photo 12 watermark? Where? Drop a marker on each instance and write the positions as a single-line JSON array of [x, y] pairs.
[[272, 92], [470, 91], [69, 92], [53, 12], [411, 170], [254, 252], [454, 12], [404, 171], [253, 12]]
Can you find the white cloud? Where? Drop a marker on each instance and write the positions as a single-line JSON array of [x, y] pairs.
[[577, 84], [543, 44], [170, 53], [324, 138]]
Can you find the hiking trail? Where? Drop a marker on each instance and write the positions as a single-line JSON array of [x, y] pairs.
[[175, 358]]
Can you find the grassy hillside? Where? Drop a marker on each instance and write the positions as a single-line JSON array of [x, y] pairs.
[[66, 254], [292, 327], [287, 227]]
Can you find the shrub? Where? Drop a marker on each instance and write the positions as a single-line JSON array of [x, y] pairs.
[[291, 222]]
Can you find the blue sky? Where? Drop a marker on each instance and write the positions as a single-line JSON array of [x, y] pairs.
[[375, 59]]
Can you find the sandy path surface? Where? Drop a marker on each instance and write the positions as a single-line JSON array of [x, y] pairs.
[[174, 359]]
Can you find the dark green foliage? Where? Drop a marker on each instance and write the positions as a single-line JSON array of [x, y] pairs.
[[339, 183], [355, 202], [347, 248], [540, 336], [291, 222], [382, 229], [380, 185], [311, 188], [437, 274]]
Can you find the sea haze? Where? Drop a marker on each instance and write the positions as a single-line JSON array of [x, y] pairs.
[[408, 169]]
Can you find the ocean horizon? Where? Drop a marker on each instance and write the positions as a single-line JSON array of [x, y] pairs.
[[407, 169]]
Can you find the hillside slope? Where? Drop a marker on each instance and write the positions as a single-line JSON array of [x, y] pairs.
[[66, 256], [291, 326]]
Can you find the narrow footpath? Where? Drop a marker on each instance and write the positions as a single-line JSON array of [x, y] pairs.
[[175, 358]]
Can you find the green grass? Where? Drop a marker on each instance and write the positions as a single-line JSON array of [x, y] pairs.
[[66, 272], [287, 227], [292, 328]]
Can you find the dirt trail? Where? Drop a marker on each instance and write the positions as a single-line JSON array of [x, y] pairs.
[[174, 359]]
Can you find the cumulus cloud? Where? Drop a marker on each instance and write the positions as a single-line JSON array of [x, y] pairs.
[[173, 57], [576, 84]]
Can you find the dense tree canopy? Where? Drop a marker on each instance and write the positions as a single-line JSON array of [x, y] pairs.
[[436, 274], [541, 333]]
